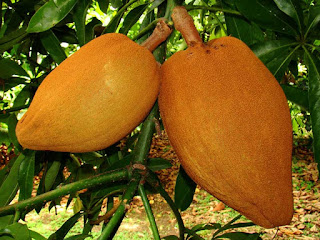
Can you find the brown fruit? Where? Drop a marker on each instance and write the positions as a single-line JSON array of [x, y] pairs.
[[93, 98], [228, 120]]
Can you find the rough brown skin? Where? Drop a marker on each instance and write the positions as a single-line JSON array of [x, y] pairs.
[[92, 99], [229, 123]]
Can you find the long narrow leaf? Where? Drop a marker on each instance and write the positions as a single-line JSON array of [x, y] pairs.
[[25, 176], [266, 14], [50, 14], [51, 43], [12, 123], [8, 41], [132, 17], [243, 30], [276, 55], [313, 18], [65, 228], [297, 96], [79, 17], [293, 9], [9, 187], [314, 101], [9, 68], [184, 190]]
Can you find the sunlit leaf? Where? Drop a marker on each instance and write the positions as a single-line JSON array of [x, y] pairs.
[[132, 17], [50, 14], [18, 231]]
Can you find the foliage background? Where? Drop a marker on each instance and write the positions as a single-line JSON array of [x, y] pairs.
[[37, 35]]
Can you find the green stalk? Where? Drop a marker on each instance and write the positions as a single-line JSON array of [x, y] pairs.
[[153, 180], [147, 29], [142, 148], [118, 215], [213, 9], [147, 207], [102, 179]]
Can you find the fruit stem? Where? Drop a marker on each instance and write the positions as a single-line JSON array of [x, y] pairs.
[[159, 35], [183, 22]]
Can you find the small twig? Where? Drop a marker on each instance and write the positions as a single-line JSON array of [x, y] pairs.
[[107, 216]]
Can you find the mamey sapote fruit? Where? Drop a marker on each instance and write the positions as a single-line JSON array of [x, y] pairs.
[[228, 120], [93, 98]]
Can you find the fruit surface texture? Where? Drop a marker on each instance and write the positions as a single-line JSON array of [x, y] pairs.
[[93, 98], [228, 120]]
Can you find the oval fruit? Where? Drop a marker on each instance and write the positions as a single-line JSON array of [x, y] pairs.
[[93, 98], [228, 120]]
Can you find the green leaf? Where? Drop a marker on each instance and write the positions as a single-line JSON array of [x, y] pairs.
[[276, 55], [239, 236], [79, 17], [297, 96], [18, 231], [243, 30], [65, 228], [313, 18], [50, 14], [9, 68], [156, 164], [51, 175], [293, 9], [92, 158], [8, 41], [12, 123], [155, 4], [103, 5], [90, 28], [116, 3], [25, 175], [22, 97], [107, 191], [314, 101], [36, 236], [9, 187], [266, 14], [132, 17], [52, 45], [184, 190]]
